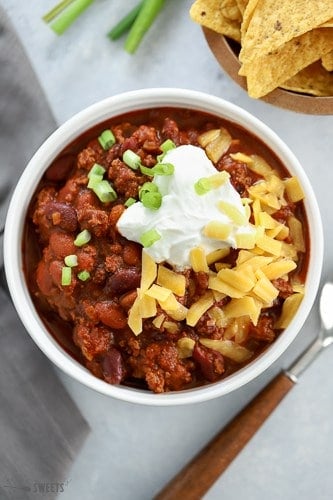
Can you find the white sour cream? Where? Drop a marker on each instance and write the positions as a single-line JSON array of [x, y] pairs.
[[183, 214]]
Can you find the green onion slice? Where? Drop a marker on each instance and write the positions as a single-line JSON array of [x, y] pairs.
[[150, 237], [71, 260], [163, 169], [104, 191], [151, 200], [165, 147], [202, 186], [129, 202], [66, 276], [147, 187], [147, 171], [107, 139], [83, 275], [82, 238], [96, 170], [131, 159]]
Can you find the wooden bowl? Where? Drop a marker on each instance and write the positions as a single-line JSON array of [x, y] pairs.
[[226, 54]]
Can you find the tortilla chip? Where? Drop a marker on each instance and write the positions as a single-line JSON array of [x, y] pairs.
[[210, 14], [274, 23], [230, 10], [242, 5], [247, 15], [327, 61], [269, 71], [313, 80]]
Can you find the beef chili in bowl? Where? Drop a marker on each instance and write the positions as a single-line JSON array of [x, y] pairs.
[[163, 247]]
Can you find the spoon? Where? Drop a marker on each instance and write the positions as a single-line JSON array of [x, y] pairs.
[[194, 480]]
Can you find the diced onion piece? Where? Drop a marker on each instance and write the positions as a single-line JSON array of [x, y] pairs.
[[185, 347], [131, 159], [82, 238], [198, 260], [294, 189], [169, 279], [246, 306], [198, 308], [289, 309], [134, 317], [150, 237], [216, 255], [107, 139], [83, 275], [217, 230], [229, 349], [232, 212], [66, 276], [158, 292], [71, 260], [148, 271]]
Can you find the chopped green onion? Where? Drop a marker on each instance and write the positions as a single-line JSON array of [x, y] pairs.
[[142, 23], [147, 187], [94, 180], [49, 16], [147, 171], [106, 139], [129, 202], [150, 237], [151, 200], [73, 11], [71, 260], [66, 276], [96, 169], [202, 186], [125, 23], [104, 191], [158, 169], [131, 159], [165, 147], [83, 275], [82, 238], [163, 169]]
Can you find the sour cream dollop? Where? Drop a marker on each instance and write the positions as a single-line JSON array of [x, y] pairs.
[[183, 214]]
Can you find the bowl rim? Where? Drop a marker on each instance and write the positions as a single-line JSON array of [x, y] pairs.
[[97, 113], [286, 99]]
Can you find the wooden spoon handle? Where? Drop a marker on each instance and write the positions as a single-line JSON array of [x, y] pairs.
[[192, 482]]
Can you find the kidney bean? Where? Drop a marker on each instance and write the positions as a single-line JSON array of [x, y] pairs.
[[111, 314], [132, 254], [44, 279], [128, 299], [60, 168], [113, 367], [124, 279], [211, 362], [61, 244], [62, 215]]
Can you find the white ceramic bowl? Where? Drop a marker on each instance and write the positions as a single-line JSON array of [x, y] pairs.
[[117, 105]]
